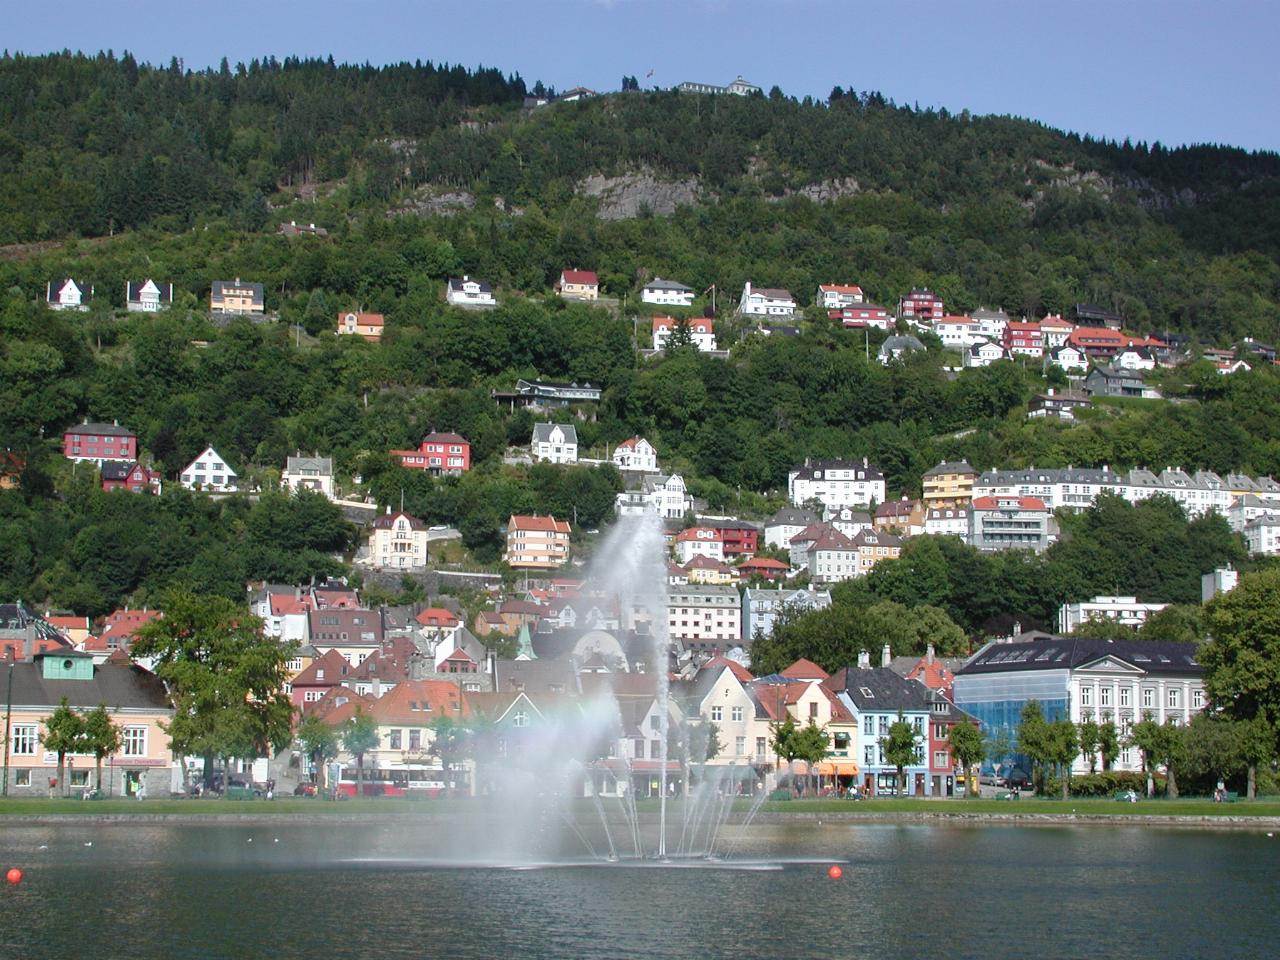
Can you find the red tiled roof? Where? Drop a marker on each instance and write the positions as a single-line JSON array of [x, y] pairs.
[[365, 319], [437, 617], [579, 276], [804, 669], [283, 603], [993, 503], [763, 563], [332, 665], [544, 524], [839, 288], [737, 669], [709, 535]]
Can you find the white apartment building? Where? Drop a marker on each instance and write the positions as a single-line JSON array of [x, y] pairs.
[[537, 543], [766, 302], [1262, 536], [704, 616], [666, 497], [837, 296], [1127, 611], [701, 331], [836, 483], [666, 293], [398, 542]]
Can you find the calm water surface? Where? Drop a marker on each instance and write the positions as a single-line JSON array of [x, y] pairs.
[[336, 891]]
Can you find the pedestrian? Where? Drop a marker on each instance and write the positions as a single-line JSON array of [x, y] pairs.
[[142, 789]]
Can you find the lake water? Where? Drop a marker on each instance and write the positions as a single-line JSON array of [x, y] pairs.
[[337, 890]]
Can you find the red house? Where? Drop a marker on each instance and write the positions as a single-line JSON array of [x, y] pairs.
[[438, 453], [119, 628], [133, 477], [740, 539], [862, 315], [1024, 339], [766, 567], [98, 442], [924, 305]]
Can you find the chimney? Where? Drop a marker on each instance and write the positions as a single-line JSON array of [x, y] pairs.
[[864, 660], [885, 656], [928, 654]]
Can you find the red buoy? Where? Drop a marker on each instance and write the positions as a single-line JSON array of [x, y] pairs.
[[835, 872], [14, 876]]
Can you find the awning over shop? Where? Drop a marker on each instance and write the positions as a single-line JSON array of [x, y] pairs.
[[836, 769]]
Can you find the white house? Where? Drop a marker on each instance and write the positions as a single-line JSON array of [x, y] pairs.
[[148, 296], [761, 608], [308, 473], [699, 542], [1055, 331], [704, 615], [947, 522], [956, 332], [667, 293], [666, 497], [835, 296], [898, 346], [1262, 535], [701, 331], [67, 295], [983, 354], [1134, 358], [555, 442], [766, 302], [470, 293], [1068, 358], [398, 542], [636, 454], [1250, 507], [785, 524], [1123, 610], [990, 323], [209, 472]]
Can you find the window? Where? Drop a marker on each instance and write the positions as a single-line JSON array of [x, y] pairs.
[[79, 778], [1125, 694], [1086, 696], [740, 746], [868, 725], [134, 741], [22, 778], [1148, 698], [1175, 698], [717, 713], [415, 739], [941, 760], [1197, 699], [884, 726], [24, 740], [655, 748], [520, 719], [395, 740], [813, 711], [639, 749], [868, 756], [762, 746], [1105, 696], [735, 714]]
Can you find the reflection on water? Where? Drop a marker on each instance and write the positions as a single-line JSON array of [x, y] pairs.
[[340, 890]]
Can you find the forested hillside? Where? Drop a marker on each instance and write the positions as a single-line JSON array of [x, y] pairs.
[[113, 171]]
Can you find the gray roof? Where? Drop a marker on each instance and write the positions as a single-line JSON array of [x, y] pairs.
[[537, 676], [322, 465], [119, 686], [456, 284], [657, 283], [100, 429], [900, 342], [1068, 653], [542, 432], [255, 288], [793, 517], [880, 689], [950, 466], [133, 291]]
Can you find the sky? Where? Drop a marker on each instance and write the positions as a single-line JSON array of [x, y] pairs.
[[1177, 71]]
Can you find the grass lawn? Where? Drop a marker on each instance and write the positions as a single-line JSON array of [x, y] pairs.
[[290, 806]]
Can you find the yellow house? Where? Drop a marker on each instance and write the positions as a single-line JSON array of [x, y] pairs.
[[949, 484], [579, 285], [236, 296], [136, 700]]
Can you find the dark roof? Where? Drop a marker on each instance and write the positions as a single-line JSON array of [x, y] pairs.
[[116, 470], [950, 466], [1069, 653], [133, 291], [119, 686], [99, 429], [879, 689], [388, 520], [458, 284], [255, 289]]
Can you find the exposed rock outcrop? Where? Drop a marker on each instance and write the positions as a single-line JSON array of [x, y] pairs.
[[627, 196]]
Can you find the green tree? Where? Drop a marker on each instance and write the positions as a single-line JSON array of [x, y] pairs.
[[901, 748], [64, 732], [1089, 735], [225, 679], [451, 742], [1108, 743], [359, 736], [102, 738], [967, 747], [320, 742], [1062, 747], [1146, 736], [1242, 660], [1034, 740]]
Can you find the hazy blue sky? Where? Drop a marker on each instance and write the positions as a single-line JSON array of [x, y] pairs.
[[1177, 71]]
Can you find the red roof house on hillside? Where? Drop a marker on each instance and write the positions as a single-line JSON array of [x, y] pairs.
[[438, 453]]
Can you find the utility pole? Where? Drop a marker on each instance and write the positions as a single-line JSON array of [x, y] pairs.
[[8, 711]]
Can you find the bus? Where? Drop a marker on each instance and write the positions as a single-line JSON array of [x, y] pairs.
[[404, 782]]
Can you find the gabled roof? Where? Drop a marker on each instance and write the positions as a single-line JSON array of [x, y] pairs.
[[388, 521], [420, 703], [1000, 503], [793, 517], [840, 288], [950, 466], [328, 671], [98, 430], [363, 319], [762, 563], [879, 689], [804, 669], [437, 617], [542, 432], [436, 437], [118, 685], [541, 524], [657, 283], [579, 276], [460, 284]]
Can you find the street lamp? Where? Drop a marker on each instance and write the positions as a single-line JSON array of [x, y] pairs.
[[8, 711]]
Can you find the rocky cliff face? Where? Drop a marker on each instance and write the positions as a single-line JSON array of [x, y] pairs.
[[630, 195]]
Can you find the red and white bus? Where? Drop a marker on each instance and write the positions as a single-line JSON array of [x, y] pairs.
[[405, 782]]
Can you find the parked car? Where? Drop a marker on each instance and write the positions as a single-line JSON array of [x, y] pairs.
[[1016, 779]]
